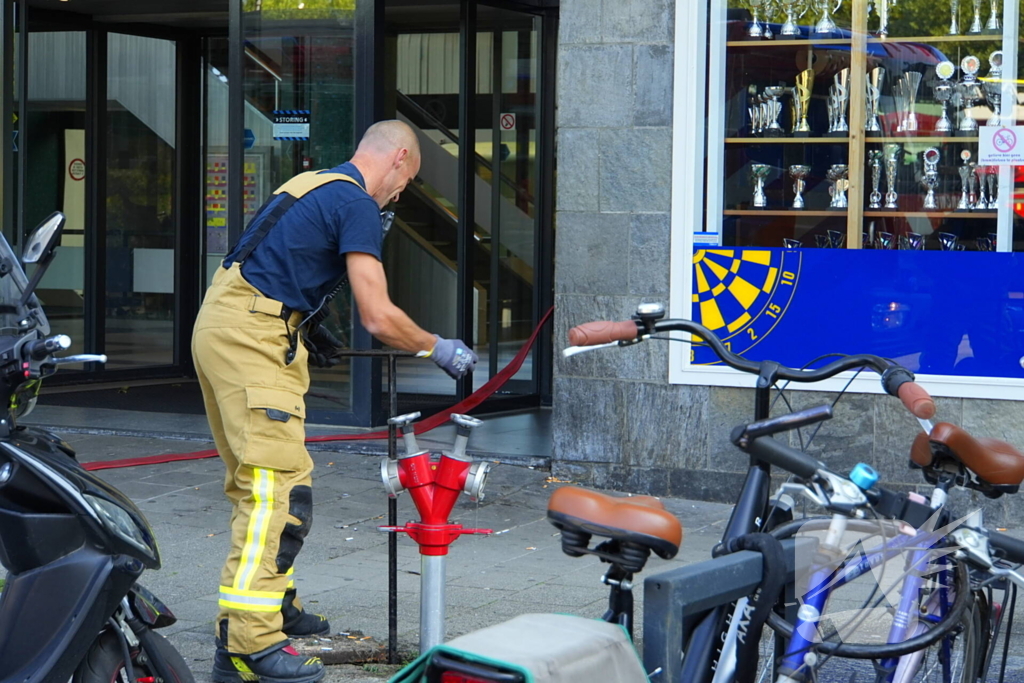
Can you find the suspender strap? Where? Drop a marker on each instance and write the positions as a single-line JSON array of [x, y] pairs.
[[295, 188]]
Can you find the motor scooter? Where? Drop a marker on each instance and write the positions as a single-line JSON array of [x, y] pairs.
[[73, 546]]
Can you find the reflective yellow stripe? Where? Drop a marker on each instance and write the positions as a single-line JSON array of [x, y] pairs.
[[290, 572], [246, 607], [259, 522], [270, 595]]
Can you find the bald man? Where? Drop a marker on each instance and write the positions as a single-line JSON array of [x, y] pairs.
[[259, 326]]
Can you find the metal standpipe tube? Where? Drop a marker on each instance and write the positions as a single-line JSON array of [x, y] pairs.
[[432, 602]]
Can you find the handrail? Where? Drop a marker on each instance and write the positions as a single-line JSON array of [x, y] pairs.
[[420, 111]]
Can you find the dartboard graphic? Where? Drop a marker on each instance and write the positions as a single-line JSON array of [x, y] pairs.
[[741, 295]]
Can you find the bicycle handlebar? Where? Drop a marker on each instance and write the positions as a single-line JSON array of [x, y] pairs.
[[780, 455], [896, 380], [1013, 548]]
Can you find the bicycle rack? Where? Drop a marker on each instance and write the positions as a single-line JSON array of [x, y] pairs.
[[676, 600], [434, 486]]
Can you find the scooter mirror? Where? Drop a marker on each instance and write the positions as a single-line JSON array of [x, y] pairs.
[[44, 239]]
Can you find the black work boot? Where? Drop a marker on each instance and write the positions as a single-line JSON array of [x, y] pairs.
[[300, 623], [277, 664]]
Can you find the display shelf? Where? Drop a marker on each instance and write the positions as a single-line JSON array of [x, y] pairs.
[[802, 42], [972, 38], [932, 214], [787, 141], [933, 140], [839, 213]]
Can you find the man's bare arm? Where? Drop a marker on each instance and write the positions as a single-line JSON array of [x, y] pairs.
[[382, 318]]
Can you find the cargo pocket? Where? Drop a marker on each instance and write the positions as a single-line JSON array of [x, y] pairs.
[[300, 506], [276, 433]]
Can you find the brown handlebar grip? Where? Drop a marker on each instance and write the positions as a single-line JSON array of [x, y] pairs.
[[917, 400], [602, 332]]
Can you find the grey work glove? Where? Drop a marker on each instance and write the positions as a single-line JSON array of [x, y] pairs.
[[323, 347], [452, 356]]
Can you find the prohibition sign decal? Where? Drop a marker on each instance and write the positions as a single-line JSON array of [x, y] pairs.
[[508, 121], [76, 169], [1004, 140]]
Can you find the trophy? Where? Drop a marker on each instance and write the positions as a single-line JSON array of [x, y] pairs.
[[798, 172], [904, 92], [758, 172], [838, 99], [972, 184], [943, 91], [790, 29], [838, 175], [993, 86], [773, 109], [755, 30], [835, 238], [822, 241], [875, 159], [983, 173], [892, 152], [882, 7], [912, 241], [976, 22], [825, 24], [789, 243], [883, 240], [865, 237], [966, 172], [874, 91], [801, 100], [986, 243], [949, 242], [954, 24], [993, 25], [992, 180], [930, 177], [969, 94]]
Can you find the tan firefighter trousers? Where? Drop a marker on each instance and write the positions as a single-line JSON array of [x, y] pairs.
[[256, 408]]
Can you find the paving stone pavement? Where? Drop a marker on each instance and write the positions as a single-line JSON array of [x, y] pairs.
[[342, 570]]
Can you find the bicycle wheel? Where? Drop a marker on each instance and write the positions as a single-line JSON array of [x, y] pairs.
[[953, 659]]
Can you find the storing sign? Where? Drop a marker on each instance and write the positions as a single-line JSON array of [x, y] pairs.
[[291, 124]]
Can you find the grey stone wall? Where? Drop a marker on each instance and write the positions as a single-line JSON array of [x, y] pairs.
[[618, 423]]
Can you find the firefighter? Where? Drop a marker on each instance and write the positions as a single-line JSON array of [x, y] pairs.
[[258, 328]]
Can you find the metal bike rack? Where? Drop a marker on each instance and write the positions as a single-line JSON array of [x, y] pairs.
[[675, 600]]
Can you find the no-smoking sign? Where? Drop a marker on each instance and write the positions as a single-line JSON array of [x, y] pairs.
[[999, 145], [76, 169], [507, 121]]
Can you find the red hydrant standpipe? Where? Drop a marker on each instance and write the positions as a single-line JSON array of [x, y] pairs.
[[434, 487]]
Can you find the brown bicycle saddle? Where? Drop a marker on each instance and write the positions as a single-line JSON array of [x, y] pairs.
[[996, 463], [638, 520]]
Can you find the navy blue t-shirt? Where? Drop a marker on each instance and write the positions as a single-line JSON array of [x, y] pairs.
[[302, 258]]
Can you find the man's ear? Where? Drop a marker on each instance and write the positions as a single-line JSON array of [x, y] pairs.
[[400, 158]]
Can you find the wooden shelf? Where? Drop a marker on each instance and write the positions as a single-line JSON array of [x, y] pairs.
[[932, 214], [972, 38], [787, 141], [934, 139], [841, 213], [787, 43]]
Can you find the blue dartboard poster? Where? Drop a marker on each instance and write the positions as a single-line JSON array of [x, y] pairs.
[[935, 312]]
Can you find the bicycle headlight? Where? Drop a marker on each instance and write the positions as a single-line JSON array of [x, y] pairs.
[[120, 523]]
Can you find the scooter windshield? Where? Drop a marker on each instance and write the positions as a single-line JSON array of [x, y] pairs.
[[13, 283]]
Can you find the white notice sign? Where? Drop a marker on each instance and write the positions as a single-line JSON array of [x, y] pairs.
[[1001, 145]]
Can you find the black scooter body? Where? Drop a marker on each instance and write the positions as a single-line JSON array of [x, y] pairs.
[[67, 572]]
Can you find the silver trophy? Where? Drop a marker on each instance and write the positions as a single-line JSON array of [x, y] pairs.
[[882, 7], [976, 22], [755, 30], [758, 172], [875, 159], [983, 173], [904, 92], [949, 242], [993, 24], [970, 92], [838, 99], [798, 172], [835, 238], [822, 241], [930, 177], [789, 243], [966, 172], [874, 92], [892, 153], [972, 187], [773, 109], [912, 241], [790, 29], [986, 243], [838, 175], [943, 91], [954, 24], [993, 86], [883, 240], [825, 24], [992, 180]]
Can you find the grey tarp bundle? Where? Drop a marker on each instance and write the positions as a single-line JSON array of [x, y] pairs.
[[545, 648]]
